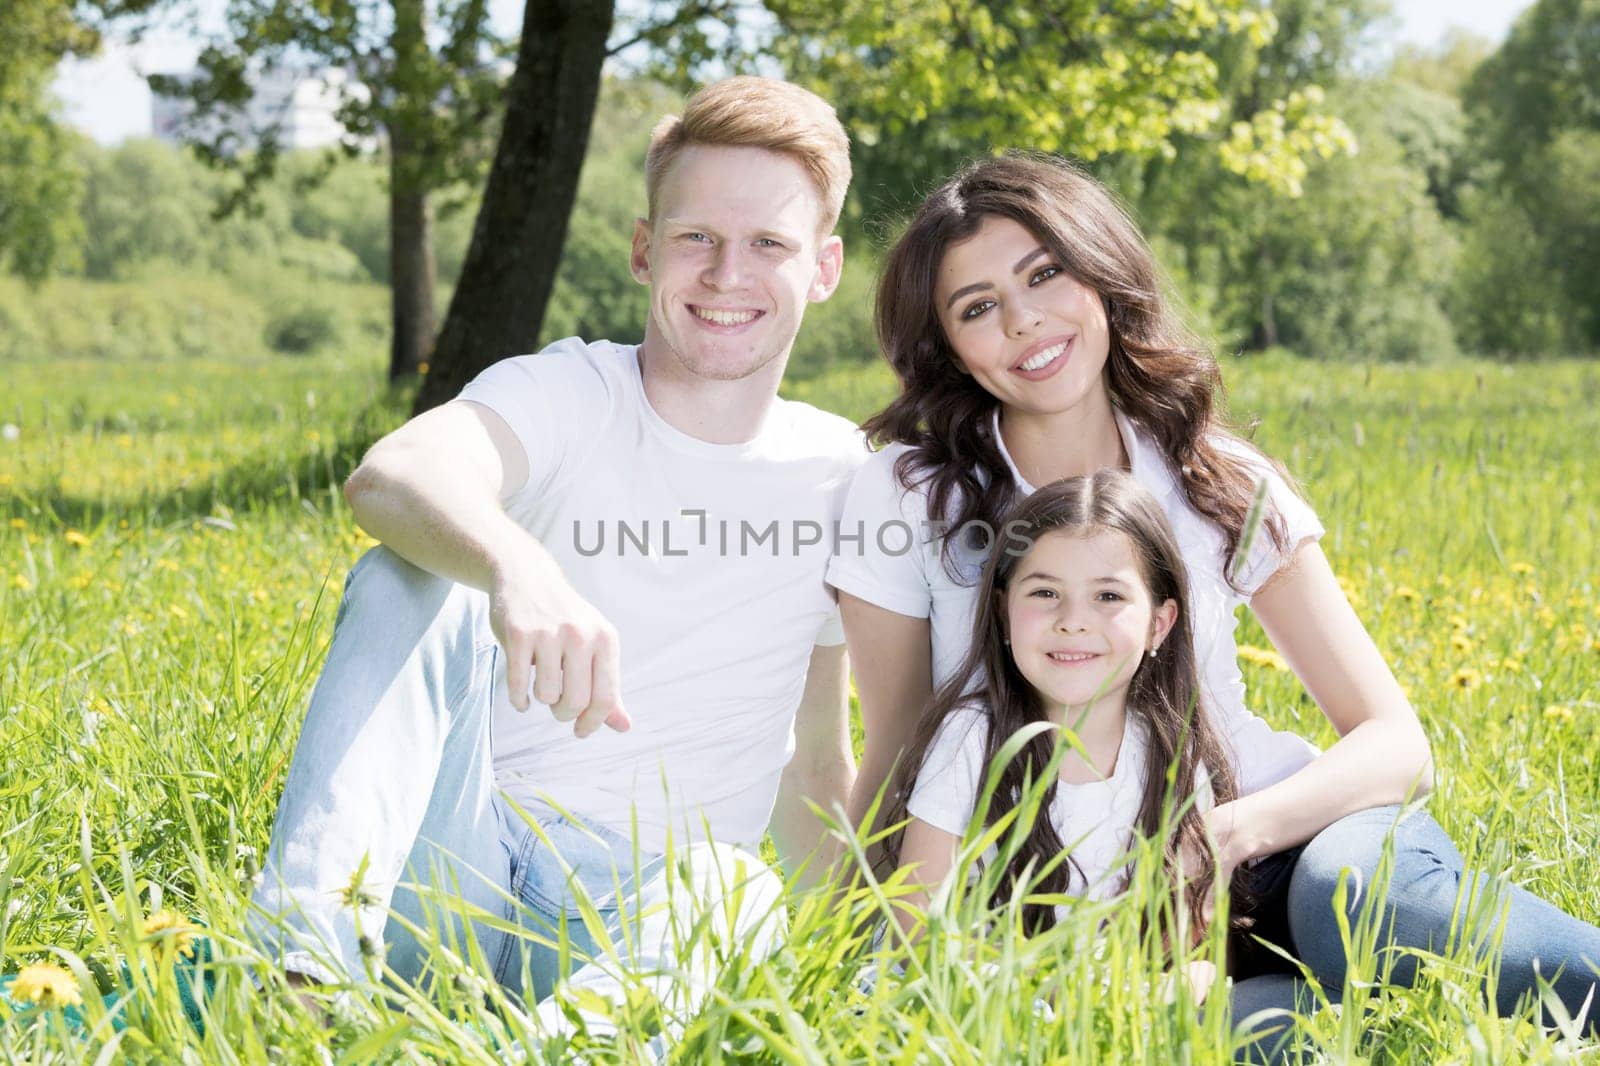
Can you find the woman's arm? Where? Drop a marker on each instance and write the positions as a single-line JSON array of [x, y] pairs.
[[1382, 754], [891, 658]]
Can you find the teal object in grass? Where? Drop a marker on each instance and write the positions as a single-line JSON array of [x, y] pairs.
[[194, 975]]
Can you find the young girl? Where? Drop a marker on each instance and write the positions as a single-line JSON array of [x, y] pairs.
[[1023, 314], [1079, 623]]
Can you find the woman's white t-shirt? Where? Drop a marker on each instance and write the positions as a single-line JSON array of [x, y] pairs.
[[881, 518]]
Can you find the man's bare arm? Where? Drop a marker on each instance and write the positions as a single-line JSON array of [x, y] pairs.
[[432, 492], [822, 769]]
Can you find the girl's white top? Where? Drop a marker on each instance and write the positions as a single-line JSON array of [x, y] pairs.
[[1094, 820], [889, 553]]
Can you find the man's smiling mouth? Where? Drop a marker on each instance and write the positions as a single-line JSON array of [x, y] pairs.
[[719, 317]]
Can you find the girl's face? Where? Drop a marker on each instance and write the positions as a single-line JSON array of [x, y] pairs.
[[1027, 331], [1080, 618]]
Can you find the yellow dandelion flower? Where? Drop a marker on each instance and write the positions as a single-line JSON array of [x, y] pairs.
[[20, 581], [170, 932], [5, 479], [19, 523], [1521, 568], [1459, 622], [1546, 616], [1511, 664], [130, 627], [422, 368], [1558, 712], [178, 612], [1461, 642], [167, 564], [45, 984], [82, 581], [1466, 679], [1265, 657], [1407, 594]]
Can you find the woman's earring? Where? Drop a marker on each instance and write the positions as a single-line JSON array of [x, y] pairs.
[[1154, 650]]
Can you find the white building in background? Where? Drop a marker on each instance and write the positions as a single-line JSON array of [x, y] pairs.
[[299, 103]]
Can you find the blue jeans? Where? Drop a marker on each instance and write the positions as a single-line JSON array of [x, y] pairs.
[[1420, 910], [391, 825]]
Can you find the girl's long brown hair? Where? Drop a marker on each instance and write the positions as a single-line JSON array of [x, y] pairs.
[[1156, 371], [1164, 695]]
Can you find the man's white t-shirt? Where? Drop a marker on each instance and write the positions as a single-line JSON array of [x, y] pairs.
[[709, 561], [915, 582]]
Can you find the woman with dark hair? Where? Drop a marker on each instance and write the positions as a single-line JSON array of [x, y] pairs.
[[1023, 314]]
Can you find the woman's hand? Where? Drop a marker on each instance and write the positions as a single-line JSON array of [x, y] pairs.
[[1201, 975], [1229, 841], [1198, 974]]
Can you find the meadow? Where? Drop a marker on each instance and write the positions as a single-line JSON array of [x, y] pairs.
[[172, 543]]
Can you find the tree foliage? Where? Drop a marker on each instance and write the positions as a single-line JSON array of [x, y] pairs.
[[1533, 251], [923, 85], [420, 76], [39, 183]]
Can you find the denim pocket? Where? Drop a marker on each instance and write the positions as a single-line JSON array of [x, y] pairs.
[[572, 867]]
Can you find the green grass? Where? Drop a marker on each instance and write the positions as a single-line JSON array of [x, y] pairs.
[[171, 540]]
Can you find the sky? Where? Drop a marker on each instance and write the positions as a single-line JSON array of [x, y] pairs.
[[107, 97]]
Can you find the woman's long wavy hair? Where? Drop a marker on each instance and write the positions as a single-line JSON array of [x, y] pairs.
[[1156, 371], [1163, 695]]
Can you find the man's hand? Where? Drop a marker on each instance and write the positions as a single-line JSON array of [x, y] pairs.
[[573, 652]]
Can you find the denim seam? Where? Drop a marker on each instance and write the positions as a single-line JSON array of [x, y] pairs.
[[542, 900], [552, 906], [468, 685]]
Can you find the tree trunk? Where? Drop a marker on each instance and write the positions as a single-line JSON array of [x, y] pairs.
[[510, 268], [411, 265], [1266, 331]]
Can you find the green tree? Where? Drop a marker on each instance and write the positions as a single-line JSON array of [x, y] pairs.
[[39, 180], [421, 77], [923, 85], [1445, 68], [1543, 80], [1534, 109]]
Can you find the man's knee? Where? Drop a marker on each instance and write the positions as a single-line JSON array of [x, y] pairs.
[[385, 593], [738, 886]]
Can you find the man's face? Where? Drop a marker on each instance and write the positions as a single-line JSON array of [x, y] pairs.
[[732, 257]]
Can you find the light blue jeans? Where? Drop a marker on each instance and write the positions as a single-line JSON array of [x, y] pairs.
[[1432, 903], [391, 825]]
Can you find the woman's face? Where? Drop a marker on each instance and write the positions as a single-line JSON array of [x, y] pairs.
[[1027, 331]]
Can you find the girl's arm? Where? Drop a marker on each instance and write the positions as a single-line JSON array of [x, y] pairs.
[[891, 658], [1382, 755], [928, 854]]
